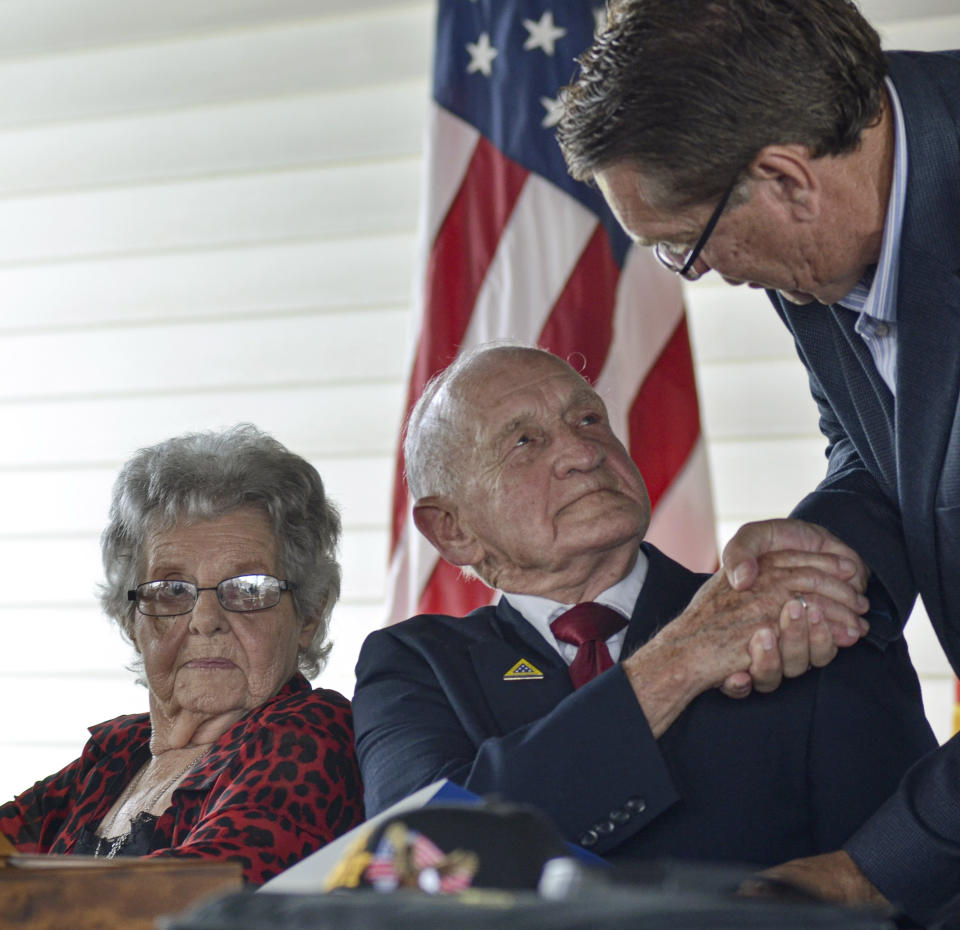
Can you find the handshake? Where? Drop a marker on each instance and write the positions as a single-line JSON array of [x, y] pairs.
[[788, 596], [824, 608]]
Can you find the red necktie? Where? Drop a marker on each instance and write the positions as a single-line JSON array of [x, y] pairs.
[[588, 627]]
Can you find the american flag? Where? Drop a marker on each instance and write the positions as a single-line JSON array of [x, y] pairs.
[[515, 248], [404, 856]]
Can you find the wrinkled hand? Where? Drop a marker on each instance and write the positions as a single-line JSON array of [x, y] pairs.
[[740, 555], [765, 630], [830, 877], [804, 642], [808, 636]]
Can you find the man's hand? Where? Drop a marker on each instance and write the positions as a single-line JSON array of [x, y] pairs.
[[804, 642], [724, 632], [752, 540], [831, 877], [805, 639]]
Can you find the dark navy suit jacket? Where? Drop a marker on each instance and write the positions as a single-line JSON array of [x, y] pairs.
[[754, 781], [892, 489]]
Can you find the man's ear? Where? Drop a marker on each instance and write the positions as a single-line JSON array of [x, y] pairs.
[[789, 176], [439, 520]]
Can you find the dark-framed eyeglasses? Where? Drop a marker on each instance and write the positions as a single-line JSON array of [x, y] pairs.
[[240, 594], [682, 261]]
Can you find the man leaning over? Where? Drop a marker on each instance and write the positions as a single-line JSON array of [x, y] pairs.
[[775, 142]]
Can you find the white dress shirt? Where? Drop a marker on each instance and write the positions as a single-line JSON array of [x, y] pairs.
[[540, 612]]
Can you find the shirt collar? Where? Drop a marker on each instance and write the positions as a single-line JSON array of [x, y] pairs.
[[876, 293], [540, 612]]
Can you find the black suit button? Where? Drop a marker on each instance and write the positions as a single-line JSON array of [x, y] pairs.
[[635, 805], [619, 815], [605, 827], [589, 838]]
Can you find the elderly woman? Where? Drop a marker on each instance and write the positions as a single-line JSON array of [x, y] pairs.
[[221, 571]]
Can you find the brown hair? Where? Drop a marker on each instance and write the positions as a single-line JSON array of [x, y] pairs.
[[690, 90]]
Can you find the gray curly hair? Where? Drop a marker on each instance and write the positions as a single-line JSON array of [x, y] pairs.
[[200, 476]]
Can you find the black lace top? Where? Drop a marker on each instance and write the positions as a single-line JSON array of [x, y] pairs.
[[135, 843]]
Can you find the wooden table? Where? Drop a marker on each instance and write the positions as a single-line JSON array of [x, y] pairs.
[[87, 893]]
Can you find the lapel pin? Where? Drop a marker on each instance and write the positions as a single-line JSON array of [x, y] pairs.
[[523, 671]]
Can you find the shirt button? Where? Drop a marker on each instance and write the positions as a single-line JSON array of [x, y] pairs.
[[589, 839], [604, 828], [619, 815], [635, 805]]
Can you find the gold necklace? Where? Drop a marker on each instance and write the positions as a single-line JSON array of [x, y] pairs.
[[134, 783], [169, 784], [108, 847]]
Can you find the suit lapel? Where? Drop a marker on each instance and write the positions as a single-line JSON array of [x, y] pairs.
[[518, 700], [872, 398], [521, 700], [847, 376]]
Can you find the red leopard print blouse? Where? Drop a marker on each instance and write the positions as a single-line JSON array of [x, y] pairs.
[[279, 784]]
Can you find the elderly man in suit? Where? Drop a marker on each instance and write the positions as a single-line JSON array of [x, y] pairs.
[[611, 720], [775, 143]]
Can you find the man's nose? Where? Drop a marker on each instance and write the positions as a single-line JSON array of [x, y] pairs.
[[576, 453], [208, 616]]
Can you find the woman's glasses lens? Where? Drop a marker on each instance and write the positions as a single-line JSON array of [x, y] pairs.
[[170, 598]]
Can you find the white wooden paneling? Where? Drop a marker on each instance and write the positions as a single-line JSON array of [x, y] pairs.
[[747, 399], [380, 122], [47, 502], [881, 12], [922, 34], [55, 501], [363, 555], [75, 639], [63, 706], [763, 478], [46, 26], [733, 324], [361, 488], [334, 54], [365, 199], [197, 356], [349, 627], [315, 421], [235, 282]]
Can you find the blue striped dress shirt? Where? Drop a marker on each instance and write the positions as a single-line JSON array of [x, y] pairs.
[[875, 296]]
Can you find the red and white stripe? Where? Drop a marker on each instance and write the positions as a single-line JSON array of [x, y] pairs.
[[506, 254]]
